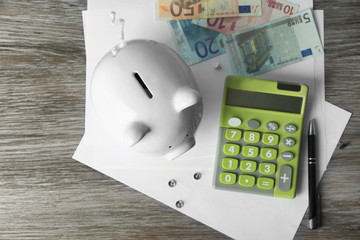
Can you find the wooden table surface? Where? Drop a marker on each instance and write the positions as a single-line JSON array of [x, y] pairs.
[[45, 194]]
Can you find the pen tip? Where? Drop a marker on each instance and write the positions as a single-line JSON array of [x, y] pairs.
[[312, 127]]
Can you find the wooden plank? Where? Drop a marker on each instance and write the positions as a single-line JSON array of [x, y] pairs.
[[44, 194]]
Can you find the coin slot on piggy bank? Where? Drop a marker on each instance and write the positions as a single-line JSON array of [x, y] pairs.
[[147, 98], [143, 85]]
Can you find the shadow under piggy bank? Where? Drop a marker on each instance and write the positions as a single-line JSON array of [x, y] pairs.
[[147, 99]]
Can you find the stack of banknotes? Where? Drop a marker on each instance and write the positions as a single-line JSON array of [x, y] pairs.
[[257, 35]]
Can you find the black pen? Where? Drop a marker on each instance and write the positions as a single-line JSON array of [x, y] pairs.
[[313, 196]]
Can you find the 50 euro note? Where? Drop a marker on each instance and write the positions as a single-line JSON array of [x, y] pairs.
[[271, 10], [273, 45], [195, 44], [194, 9]]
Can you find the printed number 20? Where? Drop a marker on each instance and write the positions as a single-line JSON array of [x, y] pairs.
[[202, 50]]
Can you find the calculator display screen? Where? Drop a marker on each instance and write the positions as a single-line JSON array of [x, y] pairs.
[[266, 101]]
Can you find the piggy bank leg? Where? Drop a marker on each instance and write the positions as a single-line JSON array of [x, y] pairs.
[[134, 132]]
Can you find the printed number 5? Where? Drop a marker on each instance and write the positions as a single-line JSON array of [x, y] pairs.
[[306, 17], [251, 152]]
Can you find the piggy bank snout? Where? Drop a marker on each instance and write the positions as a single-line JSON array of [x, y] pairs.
[[180, 149], [182, 138], [171, 135]]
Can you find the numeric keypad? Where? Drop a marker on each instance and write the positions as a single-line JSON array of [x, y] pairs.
[[250, 156]]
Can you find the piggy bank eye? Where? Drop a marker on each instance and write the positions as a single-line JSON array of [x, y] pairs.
[[143, 85]]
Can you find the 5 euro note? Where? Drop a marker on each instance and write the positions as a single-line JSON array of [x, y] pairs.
[[273, 45]]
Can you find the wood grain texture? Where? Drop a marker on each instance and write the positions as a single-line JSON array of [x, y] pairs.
[[45, 194]]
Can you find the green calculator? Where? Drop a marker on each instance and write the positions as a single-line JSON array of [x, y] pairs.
[[259, 139]]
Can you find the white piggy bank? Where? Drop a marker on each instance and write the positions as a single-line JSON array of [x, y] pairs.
[[146, 97]]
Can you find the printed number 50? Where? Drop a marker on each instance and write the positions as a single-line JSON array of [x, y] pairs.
[[179, 9]]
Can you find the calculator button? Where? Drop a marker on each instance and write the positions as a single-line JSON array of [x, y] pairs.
[[234, 122], [284, 178], [233, 134], [267, 168], [227, 178], [270, 139], [230, 163], [265, 183], [272, 126], [288, 142], [231, 149], [290, 128], [250, 151], [268, 153], [248, 166], [251, 137], [287, 156], [246, 180], [254, 124]]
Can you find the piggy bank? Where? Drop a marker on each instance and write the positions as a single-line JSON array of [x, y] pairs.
[[147, 99]]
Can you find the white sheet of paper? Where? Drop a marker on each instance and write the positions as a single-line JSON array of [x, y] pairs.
[[218, 209]]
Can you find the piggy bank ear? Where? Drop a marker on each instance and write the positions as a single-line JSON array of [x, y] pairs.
[[186, 97], [134, 132]]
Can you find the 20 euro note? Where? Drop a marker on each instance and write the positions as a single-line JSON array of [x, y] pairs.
[[271, 10], [193, 9], [194, 43], [273, 45]]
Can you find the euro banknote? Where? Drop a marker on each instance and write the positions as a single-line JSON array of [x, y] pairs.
[[273, 45], [195, 43], [193, 9], [271, 10]]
